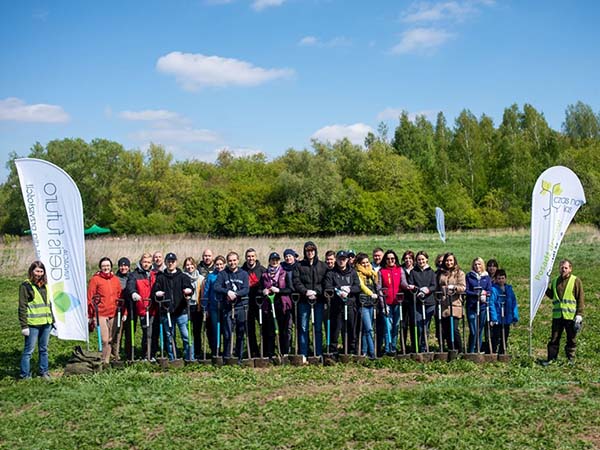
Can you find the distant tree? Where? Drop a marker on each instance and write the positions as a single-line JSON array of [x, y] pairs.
[[581, 123]]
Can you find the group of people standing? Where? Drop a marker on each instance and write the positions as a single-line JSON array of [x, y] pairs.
[[370, 307], [378, 306]]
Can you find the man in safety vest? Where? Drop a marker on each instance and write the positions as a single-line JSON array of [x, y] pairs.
[[566, 292]]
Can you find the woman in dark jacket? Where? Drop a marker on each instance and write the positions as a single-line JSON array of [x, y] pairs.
[[422, 281]]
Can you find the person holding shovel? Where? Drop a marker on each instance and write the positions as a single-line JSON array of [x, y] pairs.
[[344, 282], [369, 279], [504, 312], [36, 319], [451, 280], [422, 280], [391, 284], [210, 296], [274, 281], [103, 292], [172, 284], [232, 289], [308, 278], [197, 309], [479, 287], [139, 288]]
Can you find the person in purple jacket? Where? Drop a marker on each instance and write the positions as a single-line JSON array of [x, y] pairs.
[[274, 282]]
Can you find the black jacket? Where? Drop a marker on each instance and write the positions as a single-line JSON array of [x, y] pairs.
[[309, 276], [337, 278], [173, 284], [424, 278]]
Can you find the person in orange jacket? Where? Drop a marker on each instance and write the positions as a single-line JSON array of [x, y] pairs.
[[104, 290]]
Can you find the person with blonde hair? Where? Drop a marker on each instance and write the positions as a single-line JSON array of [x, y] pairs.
[[478, 289]]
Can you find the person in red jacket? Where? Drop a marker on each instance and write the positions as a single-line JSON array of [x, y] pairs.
[[139, 287], [391, 285], [104, 290]]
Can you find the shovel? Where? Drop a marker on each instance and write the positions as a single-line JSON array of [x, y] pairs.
[[231, 360], [262, 361], [502, 355], [296, 359], [97, 300], [277, 357], [441, 355], [216, 359], [248, 362], [328, 358], [400, 300]]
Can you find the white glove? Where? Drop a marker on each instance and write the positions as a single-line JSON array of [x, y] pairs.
[[345, 289], [310, 293], [265, 292], [374, 296], [232, 295], [451, 287], [187, 291], [312, 297], [160, 293], [425, 290], [25, 332], [578, 319], [136, 297], [274, 289]]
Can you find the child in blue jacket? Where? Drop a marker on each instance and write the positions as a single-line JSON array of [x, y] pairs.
[[502, 295]]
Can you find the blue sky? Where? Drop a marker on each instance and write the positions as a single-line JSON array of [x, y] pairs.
[[267, 75]]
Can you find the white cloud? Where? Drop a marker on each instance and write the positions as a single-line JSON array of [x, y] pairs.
[[194, 71], [259, 5], [418, 40], [172, 135], [308, 41], [355, 133], [450, 10], [312, 41], [395, 113], [15, 109], [149, 115]]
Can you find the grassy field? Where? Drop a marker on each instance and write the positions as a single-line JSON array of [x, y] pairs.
[[385, 404]]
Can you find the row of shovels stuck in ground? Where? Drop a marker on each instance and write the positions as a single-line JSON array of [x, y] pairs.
[[326, 359]]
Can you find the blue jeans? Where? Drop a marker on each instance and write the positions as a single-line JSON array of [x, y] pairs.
[[472, 316], [215, 341], [239, 325], [368, 346], [304, 321], [39, 335], [392, 321], [181, 322]]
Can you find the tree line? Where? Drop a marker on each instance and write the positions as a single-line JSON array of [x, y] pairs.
[[480, 174]]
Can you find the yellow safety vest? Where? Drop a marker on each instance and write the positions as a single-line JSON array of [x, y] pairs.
[[567, 306], [39, 312]]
